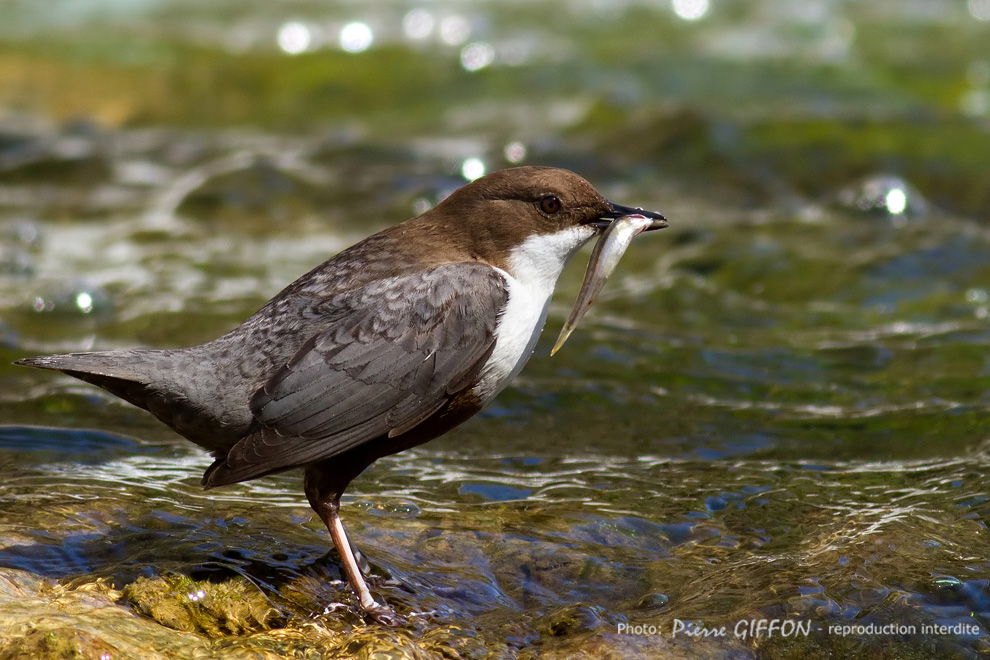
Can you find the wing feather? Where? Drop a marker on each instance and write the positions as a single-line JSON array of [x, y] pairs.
[[397, 351]]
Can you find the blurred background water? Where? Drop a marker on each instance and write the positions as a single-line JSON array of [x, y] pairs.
[[779, 408]]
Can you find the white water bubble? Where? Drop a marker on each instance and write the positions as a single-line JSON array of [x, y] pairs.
[[84, 302], [477, 56], [690, 10], [473, 168], [896, 201], [979, 9], [418, 24], [455, 30], [515, 152], [976, 295], [294, 38], [356, 37]]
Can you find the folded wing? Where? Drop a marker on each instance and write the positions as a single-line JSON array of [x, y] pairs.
[[397, 351]]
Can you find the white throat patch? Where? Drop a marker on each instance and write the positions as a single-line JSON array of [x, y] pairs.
[[533, 268]]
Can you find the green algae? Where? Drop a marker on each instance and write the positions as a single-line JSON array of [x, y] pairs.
[[232, 607], [42, 619]]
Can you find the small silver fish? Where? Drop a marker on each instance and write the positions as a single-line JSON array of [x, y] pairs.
[[604, 258]]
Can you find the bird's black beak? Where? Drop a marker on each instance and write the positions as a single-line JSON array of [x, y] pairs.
[[617, 211]]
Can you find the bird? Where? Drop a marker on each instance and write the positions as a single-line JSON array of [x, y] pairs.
[[388, 344]]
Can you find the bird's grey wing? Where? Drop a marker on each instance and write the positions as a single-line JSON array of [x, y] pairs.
[[396, 353]]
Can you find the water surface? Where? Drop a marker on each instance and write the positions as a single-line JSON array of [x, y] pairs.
[[777, 410]]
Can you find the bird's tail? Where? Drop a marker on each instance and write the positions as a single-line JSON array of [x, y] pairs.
[[127, 374]]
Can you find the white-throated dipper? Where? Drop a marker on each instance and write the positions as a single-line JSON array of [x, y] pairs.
[[389, 344]]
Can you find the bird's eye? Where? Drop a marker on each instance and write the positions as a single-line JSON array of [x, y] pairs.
[[550, 204]]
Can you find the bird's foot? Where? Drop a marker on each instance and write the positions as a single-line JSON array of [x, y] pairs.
[[381, 614], [385, 615]]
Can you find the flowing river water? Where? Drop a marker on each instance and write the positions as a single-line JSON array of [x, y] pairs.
[[778, 411]]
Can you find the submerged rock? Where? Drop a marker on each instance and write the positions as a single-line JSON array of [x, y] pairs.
[[40, 618], [214, 609]]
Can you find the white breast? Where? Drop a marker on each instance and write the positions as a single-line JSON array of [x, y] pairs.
[[533, 269]]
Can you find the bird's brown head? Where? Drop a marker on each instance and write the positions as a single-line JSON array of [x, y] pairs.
[[555, 209]]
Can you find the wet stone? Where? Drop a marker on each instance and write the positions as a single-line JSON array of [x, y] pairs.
[[652, 602], [69, 159], [575, 618], [232, 607], [255, 191], [58, 644], [41, 618]]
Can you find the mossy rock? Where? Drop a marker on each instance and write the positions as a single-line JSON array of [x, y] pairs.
[[59, 644], [233, 607]]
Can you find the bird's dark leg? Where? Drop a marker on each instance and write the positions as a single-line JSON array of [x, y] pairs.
[[323, 492]]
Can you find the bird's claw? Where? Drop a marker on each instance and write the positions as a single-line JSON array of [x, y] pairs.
[[385, 615]]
